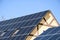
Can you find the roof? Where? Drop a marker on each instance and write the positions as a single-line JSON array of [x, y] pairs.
[[19, 28], [50, 34]]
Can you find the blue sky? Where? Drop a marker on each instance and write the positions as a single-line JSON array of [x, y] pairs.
[[17, 8]]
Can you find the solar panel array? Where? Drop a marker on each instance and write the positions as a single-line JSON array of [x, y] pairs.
[[50, 34], [19, 28]]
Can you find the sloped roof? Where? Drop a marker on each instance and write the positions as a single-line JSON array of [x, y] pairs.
[[50, 34], [24, 24]]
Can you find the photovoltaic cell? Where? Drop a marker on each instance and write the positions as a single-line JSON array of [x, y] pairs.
[[24, 24], [50, 34]]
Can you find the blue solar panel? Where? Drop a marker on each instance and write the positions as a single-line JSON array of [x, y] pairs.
[[54, 37], [50, 34], [8, 33], [24, 24], [54, 31], [18, 38]]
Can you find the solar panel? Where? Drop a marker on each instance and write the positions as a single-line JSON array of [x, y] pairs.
[[24, 24], [50, 34]]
